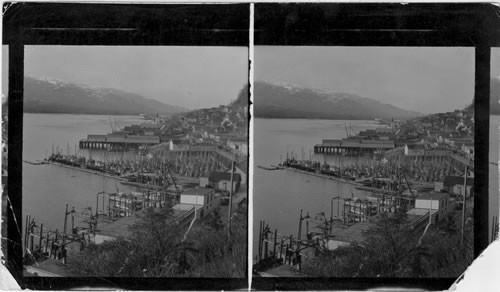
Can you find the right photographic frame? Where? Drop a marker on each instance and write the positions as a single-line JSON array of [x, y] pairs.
[[371, 126]]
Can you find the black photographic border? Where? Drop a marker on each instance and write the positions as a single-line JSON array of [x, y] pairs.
[[394, 25], [367, 24], [111, 25]]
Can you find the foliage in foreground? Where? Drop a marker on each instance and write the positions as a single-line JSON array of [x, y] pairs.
[[390, 250], [156, 249]]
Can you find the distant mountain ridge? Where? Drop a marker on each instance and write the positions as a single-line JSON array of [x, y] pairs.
[[285, 101], [53, 96]]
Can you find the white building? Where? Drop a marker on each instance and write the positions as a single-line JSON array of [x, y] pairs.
[[437, 203], [205, 200], [239, 145], [455, 185]]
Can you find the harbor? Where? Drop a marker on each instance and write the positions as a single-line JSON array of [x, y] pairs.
[[412, 170], [125, 187]]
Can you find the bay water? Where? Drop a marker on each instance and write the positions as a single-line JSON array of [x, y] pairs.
[[47, 188]]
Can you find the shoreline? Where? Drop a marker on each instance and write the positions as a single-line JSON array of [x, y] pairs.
[[86, 170], [180, 180], [323, 176]]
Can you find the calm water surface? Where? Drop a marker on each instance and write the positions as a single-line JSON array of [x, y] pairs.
[[47, 188]]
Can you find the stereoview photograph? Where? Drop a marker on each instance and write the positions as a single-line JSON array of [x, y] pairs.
[[364, 161], [135, 161]]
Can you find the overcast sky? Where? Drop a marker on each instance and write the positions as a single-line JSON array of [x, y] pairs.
[[426, 80], [192, 77]]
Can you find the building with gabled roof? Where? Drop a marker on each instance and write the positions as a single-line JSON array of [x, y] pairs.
[[221, 181]]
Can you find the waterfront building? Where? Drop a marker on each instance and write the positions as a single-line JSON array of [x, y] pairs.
[[222, 181], [203, 200], [242, 169], [239, 145], [455, 185], [439, 204], [118, 141], [468, 149], [352, 146]]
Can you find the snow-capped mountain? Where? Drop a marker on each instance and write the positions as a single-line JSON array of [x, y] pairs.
[[57, 96], [287, 101]]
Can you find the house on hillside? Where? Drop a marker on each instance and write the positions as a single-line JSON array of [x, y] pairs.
[[439, 204], [203, 200], [242, 169], [221, 181], [455, 185]]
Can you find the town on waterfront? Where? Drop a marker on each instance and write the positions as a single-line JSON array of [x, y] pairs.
[[392, 188], [148, 190]]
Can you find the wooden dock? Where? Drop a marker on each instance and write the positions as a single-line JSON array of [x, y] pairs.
[[324, 176], [91, 171]]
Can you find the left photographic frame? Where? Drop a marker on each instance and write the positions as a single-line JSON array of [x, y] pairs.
[[128, 145]]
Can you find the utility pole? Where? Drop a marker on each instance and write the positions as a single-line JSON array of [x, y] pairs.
[[463, 207], [63, 247], [331, 209], [65, 218], [300, 228], [72, 219]]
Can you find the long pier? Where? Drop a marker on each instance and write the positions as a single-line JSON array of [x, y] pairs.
[[352, 147], [323, 176], [118, 142], [91, 171]]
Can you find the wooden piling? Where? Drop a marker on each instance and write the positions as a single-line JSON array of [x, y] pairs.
[[47, 241], [274, 245], [96, 205], [287, 257], [281, 248], [26, 234], [65, 218], [32, 238], [266, 246], [51, 248], [260, 241], [41, 236], [307, 226]]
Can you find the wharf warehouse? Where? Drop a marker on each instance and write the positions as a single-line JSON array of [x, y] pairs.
[[439, 204], [203, 200], [221, 181], [349, 146], [455, 185]]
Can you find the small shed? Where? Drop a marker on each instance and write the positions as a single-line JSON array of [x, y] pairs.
[[455, 185], [222, 181]]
